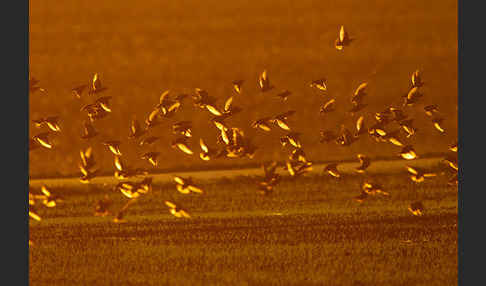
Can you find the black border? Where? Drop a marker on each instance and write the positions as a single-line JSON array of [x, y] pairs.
[[15, 113]]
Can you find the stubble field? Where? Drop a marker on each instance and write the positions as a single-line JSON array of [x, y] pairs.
[[310, 231]]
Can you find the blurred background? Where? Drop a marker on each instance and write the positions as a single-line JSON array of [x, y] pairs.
[[142, 49]]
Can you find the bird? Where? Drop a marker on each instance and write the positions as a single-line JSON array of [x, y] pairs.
[[359, 94], [186, 185], [270, 179], [407, 126], [78, 90], [371, 188], [297, 168], [113, 146], [343, 39], [34, 215], [128, 189], [262, 124], [176, 210], [89, 131], [49, 200], [393, 138], [431, 110], [398, 114], [151, 157], [181, 144], [281, 119], [453, 147], [96, 85], [207, 153], [365, 163], [332, 170], [148, 140], [412, 96], [87, 174], [167, 106], [327, 136], [408, 153], [346, 138], [94, 111], [152, 119], [87, 165], [319, 84], [33, 87], [328, 106], [292, 138], [202, 98], [87, 158], [215, 111], [135, 130], [118, 163], [43, 140], [360, 126], [416, 208], [102, 206], [416, 79], [104, 102], [183, 128], [237, 85], [284, 94], [437, 121], [119, 218], [52, 122], [264, 82], [298, 154], [418, 175], [451, 161]]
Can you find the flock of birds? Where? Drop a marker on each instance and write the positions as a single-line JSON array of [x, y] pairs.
[[389, 126]]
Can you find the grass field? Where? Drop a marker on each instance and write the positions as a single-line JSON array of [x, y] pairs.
[[142, 49], [310, 231]]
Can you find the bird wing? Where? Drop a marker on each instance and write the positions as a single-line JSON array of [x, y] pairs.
[[228, 104], [360, 88], [342, 34], [163, 96], [204, 147], [213, 110]]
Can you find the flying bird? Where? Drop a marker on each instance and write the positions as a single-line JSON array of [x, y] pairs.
[[135, 129], [416, 79], [343, 39], [365, 162], [151, 157], [89, 131], [264, 82], [408, 153], [416, 208], [186, 185], [284, 95], [237, 85], [328, 106], [176, 210], [43, 140], [113, 146], [319, 84], [181, 144], [418, 175], [52, 122], [332, 170]]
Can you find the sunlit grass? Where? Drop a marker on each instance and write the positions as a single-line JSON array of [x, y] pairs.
[[310, 231]]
